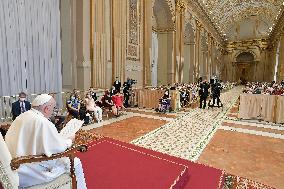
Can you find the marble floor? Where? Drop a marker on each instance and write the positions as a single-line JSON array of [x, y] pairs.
[[214, 137]]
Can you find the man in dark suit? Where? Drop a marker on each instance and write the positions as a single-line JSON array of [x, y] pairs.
[[216, 92], [126, 93], [117, 84], [203, 93], [20, 106]]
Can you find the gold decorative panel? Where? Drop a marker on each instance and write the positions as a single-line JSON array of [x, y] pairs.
[[133, 37]]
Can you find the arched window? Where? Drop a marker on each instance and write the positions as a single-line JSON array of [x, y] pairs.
[[245, 57]]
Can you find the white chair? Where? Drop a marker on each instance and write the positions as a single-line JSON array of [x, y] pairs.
[[9, 178]]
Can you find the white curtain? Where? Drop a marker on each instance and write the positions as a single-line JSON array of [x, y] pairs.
[[30, 47], [154, 70]]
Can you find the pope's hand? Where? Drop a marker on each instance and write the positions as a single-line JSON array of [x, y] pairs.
[[72, 138]]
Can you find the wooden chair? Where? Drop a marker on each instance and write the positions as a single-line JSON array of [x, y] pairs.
[[9, 178]]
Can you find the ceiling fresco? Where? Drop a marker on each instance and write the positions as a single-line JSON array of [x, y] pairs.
[[240, 20]]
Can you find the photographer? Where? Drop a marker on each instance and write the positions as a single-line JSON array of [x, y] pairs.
[[127, 90], [129, 82], [216, 92], [126, 93], [203, 93]]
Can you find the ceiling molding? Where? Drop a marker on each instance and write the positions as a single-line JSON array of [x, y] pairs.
[[200, 14], [227, 13], [278, 29], [166, 30]]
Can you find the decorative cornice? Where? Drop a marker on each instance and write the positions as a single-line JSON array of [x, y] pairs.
[[163, 30], [180, 5], [262, 44]]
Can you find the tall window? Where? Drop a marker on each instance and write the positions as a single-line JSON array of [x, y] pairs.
[[277, 62]]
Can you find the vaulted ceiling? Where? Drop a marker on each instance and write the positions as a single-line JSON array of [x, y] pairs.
[[240, 20]]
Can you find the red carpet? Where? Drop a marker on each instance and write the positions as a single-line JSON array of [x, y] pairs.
[[111, 164]]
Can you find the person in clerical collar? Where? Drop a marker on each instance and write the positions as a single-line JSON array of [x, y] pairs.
[[33, 134], [117, 84], [20, 106], [112, 91]]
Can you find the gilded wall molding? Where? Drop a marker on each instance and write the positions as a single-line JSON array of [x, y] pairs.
[[133, 30], [278, 30], [261, 44], [167, 30], [171, 4], [197, 10]]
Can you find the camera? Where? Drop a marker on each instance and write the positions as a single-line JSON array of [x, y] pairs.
[[132, 81]]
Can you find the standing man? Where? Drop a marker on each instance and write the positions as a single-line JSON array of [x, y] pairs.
[[20, 106], [33, 134], [216, 92], [126, 93], [117, 84], [203, 93]]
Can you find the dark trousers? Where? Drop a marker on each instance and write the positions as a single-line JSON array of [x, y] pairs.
[[75, 114], [202, 101], [3, 132], [126, 99]]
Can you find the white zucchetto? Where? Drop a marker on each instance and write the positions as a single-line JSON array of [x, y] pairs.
[[41, 99]]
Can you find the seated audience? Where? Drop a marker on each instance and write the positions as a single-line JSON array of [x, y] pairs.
[[20, 106], [107, 102], [118, 100], [73, 106], [92, 108], [264, 88]]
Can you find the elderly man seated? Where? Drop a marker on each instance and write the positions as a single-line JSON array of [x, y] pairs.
[[33, 134]]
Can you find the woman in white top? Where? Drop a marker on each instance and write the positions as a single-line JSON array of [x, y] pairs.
[[92, 107]]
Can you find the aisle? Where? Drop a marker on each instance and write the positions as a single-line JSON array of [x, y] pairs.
[[188, 135]]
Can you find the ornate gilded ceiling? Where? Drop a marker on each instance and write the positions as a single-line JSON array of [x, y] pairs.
[[243, 19]]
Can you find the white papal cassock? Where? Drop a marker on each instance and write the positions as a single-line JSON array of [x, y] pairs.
[[33, 134]]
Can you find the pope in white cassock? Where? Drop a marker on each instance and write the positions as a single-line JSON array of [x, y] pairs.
[[33, 134]]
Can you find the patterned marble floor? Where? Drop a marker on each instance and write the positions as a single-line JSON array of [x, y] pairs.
[[251, 149], [187, 135]]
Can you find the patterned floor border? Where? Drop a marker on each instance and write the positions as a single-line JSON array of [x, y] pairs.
[[232, 182], [253, 132], [257, 124], [195, 151], [125, 115]]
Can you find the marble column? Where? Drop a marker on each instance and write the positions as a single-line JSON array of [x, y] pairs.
[[83, 45], [68, 44], [147, 41], [197, 50], [209, 57], [280, 75], [118, 38], [191, 62], [179, 41], [100, 43]]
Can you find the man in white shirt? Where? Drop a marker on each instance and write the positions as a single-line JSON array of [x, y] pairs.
[[33, 134]]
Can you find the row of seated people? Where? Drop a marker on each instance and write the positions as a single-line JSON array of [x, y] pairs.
[[188, 93], [92, 108], [266, 88]]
